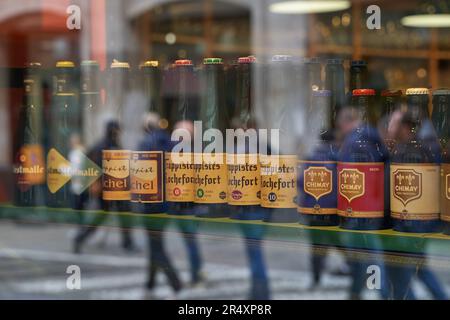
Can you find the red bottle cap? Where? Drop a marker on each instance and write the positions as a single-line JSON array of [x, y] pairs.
[[183, 62], [391, 93], [363, 92], [249, 59]]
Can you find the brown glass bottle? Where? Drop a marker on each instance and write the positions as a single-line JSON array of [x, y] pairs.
[[180, 186]]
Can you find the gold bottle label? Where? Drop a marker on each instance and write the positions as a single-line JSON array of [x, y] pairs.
[[415, 191], [146, 177], [445, 192], [180, 186], [278, 181], [58, 171], [211, 179], [116, 175], [30, 166], [243, 179]]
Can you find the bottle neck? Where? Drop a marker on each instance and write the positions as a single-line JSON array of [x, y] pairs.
[[151, 85], [184, 84], [214, 114], [244, 96]]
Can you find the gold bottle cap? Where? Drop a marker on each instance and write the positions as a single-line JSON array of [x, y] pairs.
[[120, 64], [65, 64], [413, 91], [149, 64]]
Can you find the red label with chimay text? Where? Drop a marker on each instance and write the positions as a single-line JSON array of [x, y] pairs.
[[361, 189]]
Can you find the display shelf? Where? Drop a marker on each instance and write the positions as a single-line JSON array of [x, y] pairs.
[[383, 241]]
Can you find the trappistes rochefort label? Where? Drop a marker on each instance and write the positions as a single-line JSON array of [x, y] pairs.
[[180, 182], [279, 181], [361, 189], [243, 179], [116, 175], [29, 169], [211, 179], [146, 177], [317, 187], [445, 192], [415, 191]]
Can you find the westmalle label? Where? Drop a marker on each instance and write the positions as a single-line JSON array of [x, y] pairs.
[[243, 179], [317, 194], [361, 189], [30, 167], [278, 181], [146, 176], [445, 192], [116, 175], [415, 191], [58, 171], [180, 186], [211, 179]]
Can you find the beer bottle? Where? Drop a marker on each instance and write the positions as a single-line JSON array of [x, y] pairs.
[[440, 115], [115, 160], [210, 167], [390, 102], [147, 163], [310, 79], [244, 180], [317, 194], [279, 162], [358, 75], [64, 131], [445, 189], [415, 169], [151, 79], [180, 186], [335, 82], [86, 165], [362, 170], [29, 163]]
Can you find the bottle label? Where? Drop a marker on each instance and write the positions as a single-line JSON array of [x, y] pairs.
[[445, 192], [30, 168], [278, 181], [361, 189], [415, 191], [243, 179], [180, 186], [317, 194], [116, 175], [58, 171], [84, 172], [211, 179], [146, 176]]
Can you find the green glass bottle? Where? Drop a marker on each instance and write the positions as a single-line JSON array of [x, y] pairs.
[[29, 164], [64, 126], [211, 173], [115, 160]]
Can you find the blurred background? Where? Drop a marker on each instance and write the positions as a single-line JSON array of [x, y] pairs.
[[34, 252]]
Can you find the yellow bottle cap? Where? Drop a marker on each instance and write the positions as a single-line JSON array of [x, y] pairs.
[[65, 64], [413, 91], [149, 64]]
